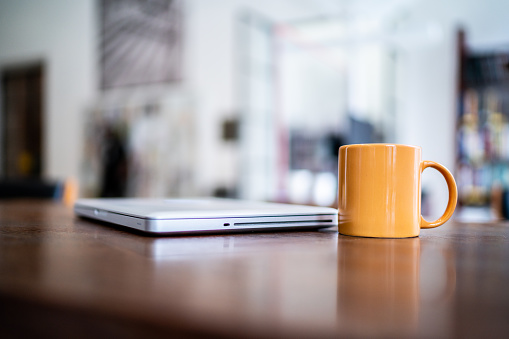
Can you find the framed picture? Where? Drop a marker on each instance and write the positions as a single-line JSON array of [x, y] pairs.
[[141, 42]]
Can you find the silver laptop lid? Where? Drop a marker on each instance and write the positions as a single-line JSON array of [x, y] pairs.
[[198, 208]]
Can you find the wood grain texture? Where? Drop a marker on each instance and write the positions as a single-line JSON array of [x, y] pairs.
[[61, 276]]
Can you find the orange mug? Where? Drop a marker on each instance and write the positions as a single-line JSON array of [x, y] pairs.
[[380, 191]]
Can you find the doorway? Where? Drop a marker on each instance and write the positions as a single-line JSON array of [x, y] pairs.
[[21, 121]]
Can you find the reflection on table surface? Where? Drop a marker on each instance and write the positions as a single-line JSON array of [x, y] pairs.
[[451, 281]]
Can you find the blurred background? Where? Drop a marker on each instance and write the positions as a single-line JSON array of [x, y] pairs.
[[251, 99]]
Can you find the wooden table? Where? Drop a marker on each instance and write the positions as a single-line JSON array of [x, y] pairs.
[[65, 277]]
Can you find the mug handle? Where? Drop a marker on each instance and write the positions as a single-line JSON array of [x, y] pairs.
[[453, 194]]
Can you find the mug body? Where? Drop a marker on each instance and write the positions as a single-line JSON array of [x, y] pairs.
[[379, 190]]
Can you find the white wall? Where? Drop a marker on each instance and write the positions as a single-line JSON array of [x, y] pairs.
[[63, 35], [209, 73]]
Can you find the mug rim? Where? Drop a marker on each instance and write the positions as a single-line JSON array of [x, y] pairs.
[[379, 145]]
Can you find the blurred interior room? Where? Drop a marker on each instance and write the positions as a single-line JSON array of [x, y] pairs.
[[251, 99]]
